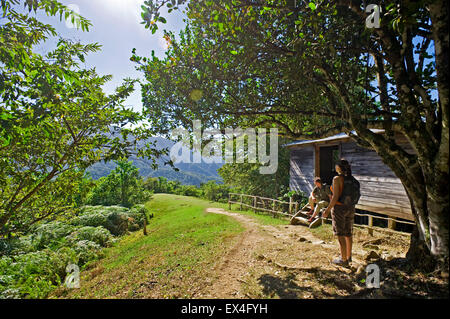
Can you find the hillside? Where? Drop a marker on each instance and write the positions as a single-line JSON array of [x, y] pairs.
[[198, 249], [188, 174]]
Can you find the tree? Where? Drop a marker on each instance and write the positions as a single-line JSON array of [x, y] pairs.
[[123, 186], [213, 191], [246, 178], [131, 190], [161, 184], [55, 119], [314, 69]]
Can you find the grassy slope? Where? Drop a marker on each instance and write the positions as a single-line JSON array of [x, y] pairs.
[[262, 217], [177, 255]]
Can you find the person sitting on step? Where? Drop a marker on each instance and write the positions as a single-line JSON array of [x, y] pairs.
[[320, 198]]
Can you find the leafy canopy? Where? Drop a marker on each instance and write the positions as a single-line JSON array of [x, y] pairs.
[[55, 118]]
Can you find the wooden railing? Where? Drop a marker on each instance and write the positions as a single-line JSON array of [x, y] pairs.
[[391, 222], [258, 203], [288, 209]]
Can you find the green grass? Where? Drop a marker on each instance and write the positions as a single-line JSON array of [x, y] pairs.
[[179, 253], [262, 217], [183, 241]]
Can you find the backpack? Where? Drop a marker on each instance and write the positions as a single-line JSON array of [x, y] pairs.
[[351, 193]]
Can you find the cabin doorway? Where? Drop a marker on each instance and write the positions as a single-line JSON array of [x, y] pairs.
[[328, 156]]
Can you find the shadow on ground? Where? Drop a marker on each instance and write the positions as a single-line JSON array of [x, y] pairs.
[[397, 278], [283, 287], [288, 285]]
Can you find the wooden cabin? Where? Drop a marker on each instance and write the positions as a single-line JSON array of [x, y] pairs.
[[381, 191]]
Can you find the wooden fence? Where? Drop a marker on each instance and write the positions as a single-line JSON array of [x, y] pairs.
[[258, 203], [288, 209]]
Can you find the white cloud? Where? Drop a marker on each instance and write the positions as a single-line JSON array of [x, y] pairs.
[[123, 8]]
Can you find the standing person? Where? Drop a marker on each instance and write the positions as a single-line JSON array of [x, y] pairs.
[[342, 207]]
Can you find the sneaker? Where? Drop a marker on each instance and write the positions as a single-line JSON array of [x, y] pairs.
[[340, 262]]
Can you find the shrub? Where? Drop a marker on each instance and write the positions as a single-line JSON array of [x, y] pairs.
[[297, 196], [215, 192], [34, 274], [189, 190], [98, 235], [113, 218], [117, 223], [94, 209], [60, 259], [16, 246], [50, 233], [93, 219], [122, 186], [34, 265], [9, 293], [87, 251], [139, 213]]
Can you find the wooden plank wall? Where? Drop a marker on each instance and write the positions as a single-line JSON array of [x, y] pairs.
[[302, 169], [381, 191]]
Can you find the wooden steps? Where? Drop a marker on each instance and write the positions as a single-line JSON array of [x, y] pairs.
[[301, 218]]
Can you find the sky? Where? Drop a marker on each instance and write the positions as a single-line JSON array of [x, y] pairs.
[[116, 25]]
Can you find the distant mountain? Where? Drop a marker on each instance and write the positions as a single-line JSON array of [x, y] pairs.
[[188, 174]]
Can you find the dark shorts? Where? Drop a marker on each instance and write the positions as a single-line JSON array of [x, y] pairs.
[[342, 220]]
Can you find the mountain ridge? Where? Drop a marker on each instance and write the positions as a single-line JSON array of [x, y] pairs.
[[188, 174]]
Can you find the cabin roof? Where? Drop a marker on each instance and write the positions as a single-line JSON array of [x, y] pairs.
[[340, 136]]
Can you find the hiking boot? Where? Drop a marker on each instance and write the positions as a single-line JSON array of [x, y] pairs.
[[340, 262]]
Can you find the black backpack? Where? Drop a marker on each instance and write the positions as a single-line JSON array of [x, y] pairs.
[[351, 192]]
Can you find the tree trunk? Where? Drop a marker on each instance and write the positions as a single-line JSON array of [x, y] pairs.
[[427, 188], [429, 240], [419, 254], [438, 216], [145, 226]]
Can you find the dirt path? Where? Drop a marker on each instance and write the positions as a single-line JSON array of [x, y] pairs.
[[265, 261], [232, 269], [282, 261]]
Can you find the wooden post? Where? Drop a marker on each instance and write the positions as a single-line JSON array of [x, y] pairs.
[[273, 208], [145, 226], [254, 204], [370, 229], [392, 223], [290, 205], [296, 208], [240, 207], [316, 160]]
